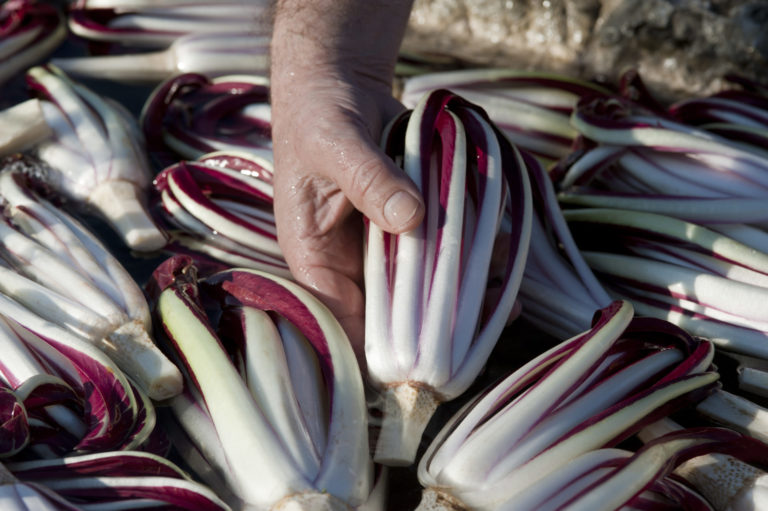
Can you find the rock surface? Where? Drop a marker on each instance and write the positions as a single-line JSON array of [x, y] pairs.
[[679, 47]]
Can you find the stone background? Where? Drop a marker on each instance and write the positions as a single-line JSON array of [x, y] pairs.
[[679, 47]]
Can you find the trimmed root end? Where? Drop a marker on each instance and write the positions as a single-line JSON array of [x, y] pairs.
[[723, 480], [135, 353], [121, 205], [436, 500], [310, 502], [407, 410]]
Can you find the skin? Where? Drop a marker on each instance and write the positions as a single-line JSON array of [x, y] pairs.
[[332, 65]]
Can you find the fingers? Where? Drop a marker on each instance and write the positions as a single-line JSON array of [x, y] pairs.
[[330, 121], [322, 242], [327, 165], [375, 185], [345, 300]]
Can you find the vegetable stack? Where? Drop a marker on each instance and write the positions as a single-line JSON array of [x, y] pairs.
[[542, 438], [191, 114], [429, 326], [153, 41], [252, 397], [274, 400], [218, 209], [56, 271]]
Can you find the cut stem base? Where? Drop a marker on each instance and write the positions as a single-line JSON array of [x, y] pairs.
[[408, 407], [436, 500], [121, 204], [311, 502], [132, 349]]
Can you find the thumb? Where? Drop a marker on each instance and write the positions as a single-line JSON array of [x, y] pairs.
[[376, 186]]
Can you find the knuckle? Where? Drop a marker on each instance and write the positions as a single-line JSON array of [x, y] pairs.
[[368, 180]]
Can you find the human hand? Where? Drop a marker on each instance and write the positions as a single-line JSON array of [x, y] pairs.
[[331, 82]]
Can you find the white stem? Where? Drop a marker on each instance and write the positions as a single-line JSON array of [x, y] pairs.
[[117, 279], [53, 306], [754, 381], [134, 351], [408, 407], [121, 204], [196, 442], [729, 296], [731, 338], [270, 384], [737, 413], [36, 262], [74, 244], [22, 126], [140, 68]]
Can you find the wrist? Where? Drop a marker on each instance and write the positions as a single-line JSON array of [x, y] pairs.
[[338, 36]]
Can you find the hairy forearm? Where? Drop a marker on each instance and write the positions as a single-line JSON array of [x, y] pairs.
[[332, 66], [316, 33]]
